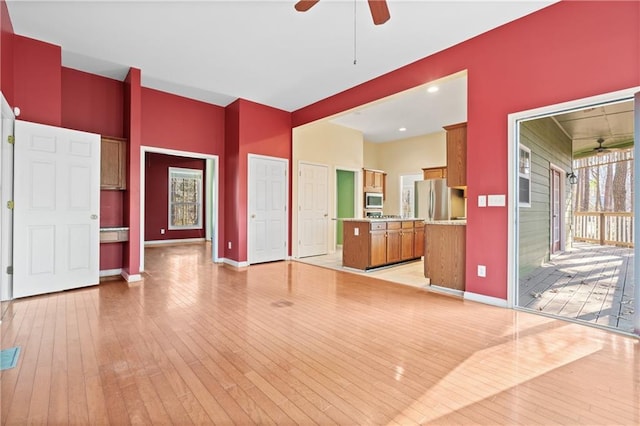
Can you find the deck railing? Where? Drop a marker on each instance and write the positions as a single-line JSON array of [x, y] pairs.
[[604, 228]]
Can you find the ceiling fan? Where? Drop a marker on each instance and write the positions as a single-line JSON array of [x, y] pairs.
[[379, 9], [600, 149]]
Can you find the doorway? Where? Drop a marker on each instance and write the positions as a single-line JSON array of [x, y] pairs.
[[574, 244], [210, 189], [345, 199]]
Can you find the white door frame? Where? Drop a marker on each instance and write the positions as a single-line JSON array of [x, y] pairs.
[[513, 218], [285, 161], [6, 194], [211, 188]]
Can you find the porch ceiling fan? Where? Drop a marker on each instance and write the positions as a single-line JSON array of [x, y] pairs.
[[378, 8], [601, 149]]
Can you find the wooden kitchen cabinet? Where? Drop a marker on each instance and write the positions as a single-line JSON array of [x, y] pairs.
[[444, 258], [113, 163], [418, 238], [373, 243], [394, 242], [456, 155], [378, 248], [374, 180], [434, 173], [407, 241]]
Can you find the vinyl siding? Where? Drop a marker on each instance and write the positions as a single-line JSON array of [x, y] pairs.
[[548, 145]]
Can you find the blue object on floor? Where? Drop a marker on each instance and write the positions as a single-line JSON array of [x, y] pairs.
[[9, 357]]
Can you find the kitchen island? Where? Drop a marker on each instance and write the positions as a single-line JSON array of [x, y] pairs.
[[375, 242], [445, 247]]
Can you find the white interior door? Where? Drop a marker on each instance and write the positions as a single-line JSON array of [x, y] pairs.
[[268, 225], [57, 201], [313, 217]]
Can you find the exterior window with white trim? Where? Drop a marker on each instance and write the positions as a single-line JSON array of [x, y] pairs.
[[185, 198], [524, 177]]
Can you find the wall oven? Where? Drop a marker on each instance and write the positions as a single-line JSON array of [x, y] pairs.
[[373, 200]]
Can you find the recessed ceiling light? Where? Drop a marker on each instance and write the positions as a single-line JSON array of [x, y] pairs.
[[402, 129], [433, 89]]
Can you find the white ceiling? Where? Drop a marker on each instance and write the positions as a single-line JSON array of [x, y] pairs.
[[266, 52]]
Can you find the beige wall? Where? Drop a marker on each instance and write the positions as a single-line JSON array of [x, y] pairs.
[[336, 147], [405, 157]]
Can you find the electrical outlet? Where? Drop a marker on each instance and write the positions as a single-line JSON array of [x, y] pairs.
[[162, 231], [229, 245], [482, 271]]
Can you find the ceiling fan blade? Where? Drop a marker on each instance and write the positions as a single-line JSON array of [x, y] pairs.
[[379, 11], [304, 5]]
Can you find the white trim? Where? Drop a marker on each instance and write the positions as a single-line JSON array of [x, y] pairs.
[[234, 263], [563, 208], [131, 278], [445, 290], [356, 197], [636, 214], [212, 189], [110, 272], [286, 197], [193, 174], [6, 194], [487, 300], [175, 241], [513, 140]]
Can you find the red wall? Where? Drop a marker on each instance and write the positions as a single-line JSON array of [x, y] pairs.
[[551, 56], [92, 103], [251, 129], [37, 81], [175, 122], [157, 196], [6, 53]]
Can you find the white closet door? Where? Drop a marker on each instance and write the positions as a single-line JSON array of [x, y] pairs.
[[57, 203]]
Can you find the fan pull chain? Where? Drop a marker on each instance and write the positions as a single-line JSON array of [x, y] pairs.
[[355, 61]]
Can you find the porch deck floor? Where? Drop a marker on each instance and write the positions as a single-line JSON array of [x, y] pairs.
[[589, 282]]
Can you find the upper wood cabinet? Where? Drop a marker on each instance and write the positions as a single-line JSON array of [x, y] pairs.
[[434, 173], [374, 180], [456, 154], [113, 163]]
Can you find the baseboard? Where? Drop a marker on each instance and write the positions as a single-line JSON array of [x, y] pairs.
[[444, 290], [131, 278], [110, 272], [235, 263], [487, 300], [174, 242]]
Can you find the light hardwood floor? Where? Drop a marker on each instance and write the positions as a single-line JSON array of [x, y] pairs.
[[291, 343]]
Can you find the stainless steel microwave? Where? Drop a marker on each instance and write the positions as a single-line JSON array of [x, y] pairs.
[[373, 200]]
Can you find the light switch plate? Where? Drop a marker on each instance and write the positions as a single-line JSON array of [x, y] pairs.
[[482, 271], [482, 201], [497, 200], [356, 231]]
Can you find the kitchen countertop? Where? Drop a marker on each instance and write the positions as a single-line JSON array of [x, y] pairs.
[[446, 222], [379, 219]]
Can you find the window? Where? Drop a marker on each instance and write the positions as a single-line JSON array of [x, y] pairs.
[[185, 198], [524, 177]]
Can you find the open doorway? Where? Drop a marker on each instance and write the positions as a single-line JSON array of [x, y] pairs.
[[210, 191], [345, 200], [575, 213]]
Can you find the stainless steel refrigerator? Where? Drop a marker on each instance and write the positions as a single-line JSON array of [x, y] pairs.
[[434, 200]]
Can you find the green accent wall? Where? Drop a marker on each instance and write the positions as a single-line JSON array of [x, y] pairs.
[[345, 182], [548, 145]]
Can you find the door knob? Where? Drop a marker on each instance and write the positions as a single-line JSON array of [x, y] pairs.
[[253, 216], [94, 216]]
